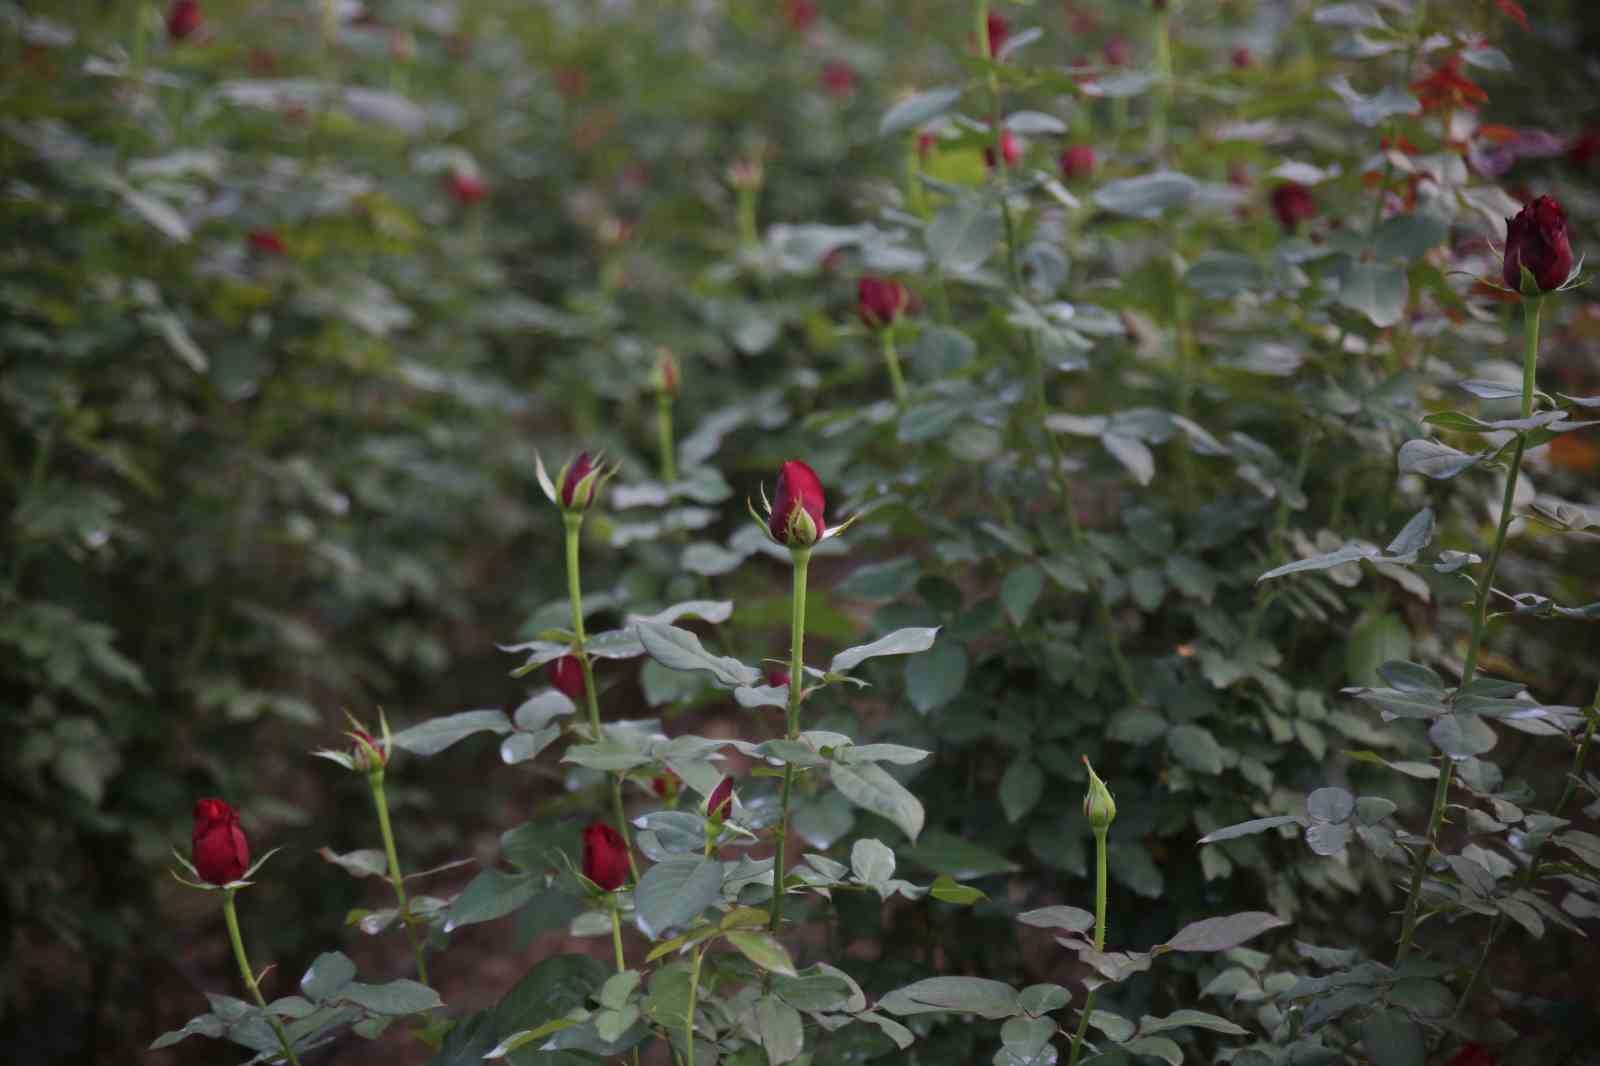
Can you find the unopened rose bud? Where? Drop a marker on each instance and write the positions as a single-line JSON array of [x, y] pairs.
[[183, 19], [777, 678], [605, 857], [220, 852], [1010, 150], [838, 77], [1118, 52], [880, 301], [467, 188], [579, 480], [366, 753], [265, 241], [998, 32], [1098, 806], [665, 377], [797, 507], [1293, 204], [1536, 238], [800, 14], [720, 803], [566, 674], [1242, 59], [1077, 162], [1471, 1054], [666, 785], [926, 143], [746, 173]]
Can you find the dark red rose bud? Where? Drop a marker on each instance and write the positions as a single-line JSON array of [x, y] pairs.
[[1293, 204], [468, 189], [1584, 148], [666, 785], [777, 678], [838, 77], [1242, 59], [183, 18], [720, 803], [566, 674], [880, 301], [220, 853], [800, 13], [265, 241], [1537, 239], [605, 856], [1077, 162], [1471, 1055], [1010, 150], [1118, 52], [798, 506], [998, 32], [362, 757], [579, 482], [926, 142]]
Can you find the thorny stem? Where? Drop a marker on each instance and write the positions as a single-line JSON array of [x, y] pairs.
[[891, 359], [1579, 758], [1099, 939], [797, 681], [1480, 612], [381, 802], [232, 918], [574, 525]]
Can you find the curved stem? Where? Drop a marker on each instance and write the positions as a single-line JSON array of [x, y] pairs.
[[396, 879], [573, 521], [1099, 939], [891, 359], [249, 975], [1480, 615], [669, 459], [797, 643]]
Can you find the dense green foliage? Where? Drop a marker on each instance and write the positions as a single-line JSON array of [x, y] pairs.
[[289, 305]]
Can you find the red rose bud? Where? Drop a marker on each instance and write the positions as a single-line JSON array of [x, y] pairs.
[[838, 77], [800, 13], [1537, 239], [1077, 162], [797, 510], [880, 301], [605, 857], [220, 852], [998, 32], [1118, 52], [183, 18], [1242, 59], [566, 674], [367, 753], [579, 480], [1010, 150], [926, 142], [666, 373], [777, 678], [265, 241], [1293, 204], [666, 785], [467, 189], [720, 803], [1471, 1055]]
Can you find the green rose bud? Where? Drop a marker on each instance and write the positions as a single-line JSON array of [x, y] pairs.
[[1098, 806]]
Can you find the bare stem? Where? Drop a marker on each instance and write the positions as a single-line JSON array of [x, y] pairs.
[[797, 681], [249, 975], [396, 878]]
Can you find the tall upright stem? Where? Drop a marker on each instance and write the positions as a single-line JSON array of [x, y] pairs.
[[396, 879], [669, 458], [249, 975], [1163, 94], [797, 681], [1099, 939], [891, 359], [694, 997], [573, 521], [1532, 308]]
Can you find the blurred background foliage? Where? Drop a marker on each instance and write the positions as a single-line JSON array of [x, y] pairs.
[[287, 304]]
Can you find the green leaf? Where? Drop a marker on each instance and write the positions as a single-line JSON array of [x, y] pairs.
[[397, 997], [1042, 999], [1377, 290], [1410, 677], [679, 649], [880, 581], [673, 892], [939, 352], [1190, 1019], [1410, 236], [944, 853], [1433, 460], [946, 890], [548, 992], [871, 860], [918, 110], [935, 678], [963, 234], [968, 995], [1461, 736], [1244, 829], [763, 950], [368, 862], [1020, 591], [1223, 274], [1348, 554], [1220, 934], [330, 973], [871, 788], [780, 1028], [813, 990], [1072, 919], [1146, 196], [437, 734], [1330, 805], [1392, 1038], [1158, 1047], [900, 642], [1020, 788], [1196, 748], [492, 894]]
